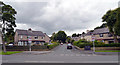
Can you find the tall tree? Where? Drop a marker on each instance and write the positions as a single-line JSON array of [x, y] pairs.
[[83, 32], [102, 26], [53, 36], [74, 35], [8, 21], [117, 26], [61, 36], [111, 18]]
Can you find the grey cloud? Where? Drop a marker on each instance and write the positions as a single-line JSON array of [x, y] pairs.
[[68, 15]]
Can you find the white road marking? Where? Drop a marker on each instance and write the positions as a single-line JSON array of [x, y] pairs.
[[71, 62], [61, 54], [66, 54], [44, 61], [83, 55], [77, 54], [71, 55]]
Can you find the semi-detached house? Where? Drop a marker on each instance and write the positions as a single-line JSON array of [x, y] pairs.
[[37, 37], [104, 35]]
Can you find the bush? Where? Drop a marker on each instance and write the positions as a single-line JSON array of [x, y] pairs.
[[45, 44], [100, 45], [98, 42], [53, 45], [83, 43]]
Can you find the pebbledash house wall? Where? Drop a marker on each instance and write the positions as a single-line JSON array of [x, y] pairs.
[[47, 39], [88, 37]]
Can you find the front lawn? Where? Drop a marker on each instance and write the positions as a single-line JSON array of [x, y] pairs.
[[10, 52], [107, 51]]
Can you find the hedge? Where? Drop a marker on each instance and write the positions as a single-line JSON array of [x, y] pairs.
[[25, 48], [100, 45], [52, 45]]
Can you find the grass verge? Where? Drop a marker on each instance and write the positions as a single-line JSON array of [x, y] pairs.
[[107, 51], [10, 52]]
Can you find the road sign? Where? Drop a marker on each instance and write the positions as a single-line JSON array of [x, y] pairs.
[[29, 41], [93, 38]]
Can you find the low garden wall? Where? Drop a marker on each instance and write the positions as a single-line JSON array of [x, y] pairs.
[[26, 48], [33, 48]]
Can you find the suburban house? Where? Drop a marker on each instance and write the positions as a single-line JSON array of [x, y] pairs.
[[101, 34], [104, 35], [24, 37], [88, 35], [76, 38]]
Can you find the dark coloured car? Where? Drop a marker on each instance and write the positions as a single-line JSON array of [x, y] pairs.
[[69, 46]]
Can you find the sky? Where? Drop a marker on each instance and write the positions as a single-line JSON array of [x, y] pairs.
[[71, 16]]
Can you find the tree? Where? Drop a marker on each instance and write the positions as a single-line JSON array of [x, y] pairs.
[[117, 25], [111, 18], [8, 21], [69, 40], [61, 36], [53, 36], [102, 26], [74, 35], [83, 32]]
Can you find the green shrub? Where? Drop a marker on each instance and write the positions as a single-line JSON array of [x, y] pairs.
[[83, 43], [53, 45], [45, 44]]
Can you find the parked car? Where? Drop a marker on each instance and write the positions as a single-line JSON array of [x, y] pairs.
[[10, 44], [69, 46], [61, 43]]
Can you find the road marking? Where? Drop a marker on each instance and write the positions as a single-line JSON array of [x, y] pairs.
[[44, 61], [72, 62], [77, 54], [71, 55], [66, 54], [82, 55], [88, 55], [61, 54]]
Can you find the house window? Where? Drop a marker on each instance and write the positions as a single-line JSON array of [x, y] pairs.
[[21, 36], [42, 38], [25, 43], [110, 35], [20, 43], [101, 35], [36, 37]]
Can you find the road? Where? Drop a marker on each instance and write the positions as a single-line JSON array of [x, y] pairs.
[[59, 55]]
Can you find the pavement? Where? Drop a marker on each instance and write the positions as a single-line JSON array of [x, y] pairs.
[[60, 54]]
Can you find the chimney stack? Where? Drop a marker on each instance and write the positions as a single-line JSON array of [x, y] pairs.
[[30, 29], [87, 31]]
